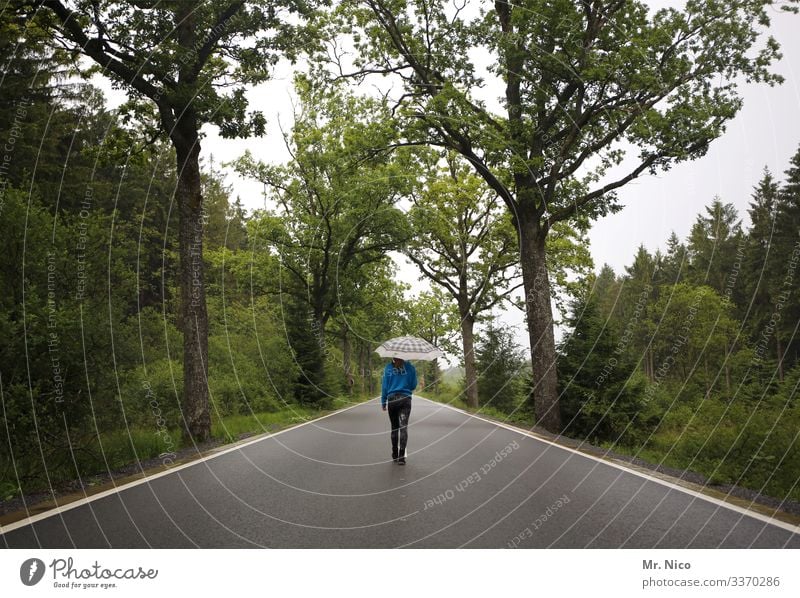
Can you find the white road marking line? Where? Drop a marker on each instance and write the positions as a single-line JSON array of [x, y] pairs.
[[741, 510]]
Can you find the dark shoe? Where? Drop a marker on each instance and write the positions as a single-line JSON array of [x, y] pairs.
[[401, 460], [394, 456]]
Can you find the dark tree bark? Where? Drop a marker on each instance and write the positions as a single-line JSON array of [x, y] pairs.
[[184, 135], [539, 312], [194, 315]]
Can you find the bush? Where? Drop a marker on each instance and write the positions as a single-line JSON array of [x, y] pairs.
[[602, 393], [500, 366]]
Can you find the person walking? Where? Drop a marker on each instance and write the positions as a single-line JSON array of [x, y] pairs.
[[399, 382]]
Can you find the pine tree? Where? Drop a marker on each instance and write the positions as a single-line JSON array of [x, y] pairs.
[[675, 261], [499, 362], [639, 292], [605, 290], [601, 392], [716, 242], [787, 246], [762, 262]]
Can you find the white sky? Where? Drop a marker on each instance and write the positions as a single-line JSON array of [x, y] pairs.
[[765, 133]]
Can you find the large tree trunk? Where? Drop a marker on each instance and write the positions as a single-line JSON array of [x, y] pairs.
[[194, 317], [470, 371], [539, 312]]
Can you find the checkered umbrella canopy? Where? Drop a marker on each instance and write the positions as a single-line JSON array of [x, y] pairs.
[[409, 347]]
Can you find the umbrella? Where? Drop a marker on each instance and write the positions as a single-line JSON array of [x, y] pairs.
[[409, 347]]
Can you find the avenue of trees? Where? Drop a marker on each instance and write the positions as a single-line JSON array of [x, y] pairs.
[[143, 306]]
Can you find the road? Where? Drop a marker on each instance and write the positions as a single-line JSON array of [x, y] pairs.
[[468, 483]]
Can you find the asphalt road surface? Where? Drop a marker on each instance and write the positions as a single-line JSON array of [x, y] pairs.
[[468, 483]]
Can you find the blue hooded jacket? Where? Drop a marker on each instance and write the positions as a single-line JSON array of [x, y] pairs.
[[401, 381]]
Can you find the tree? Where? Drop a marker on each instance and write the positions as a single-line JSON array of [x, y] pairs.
[[31, 70], [787, 247], [224, 223], [66, 266], [762, 263], [639, 292], [579, 81], [602, 394], [431, 316], [605, 290], [715, 245], [675, 261], [465, 244], [693, 329], [500, 361], [335, 217], [379, 313], [175, 60]]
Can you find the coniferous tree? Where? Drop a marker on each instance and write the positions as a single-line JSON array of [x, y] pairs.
[[787, 246], [715, 241], [601, 392], [499, 360], [675, 260], [605, 290], [639, 293], [762, 262]]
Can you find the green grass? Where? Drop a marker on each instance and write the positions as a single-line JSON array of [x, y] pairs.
[[453, 397], [447, 395], [231, 428]]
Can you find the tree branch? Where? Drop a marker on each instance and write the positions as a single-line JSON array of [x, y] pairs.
[[573, 208], [93, 48], [215, 34]]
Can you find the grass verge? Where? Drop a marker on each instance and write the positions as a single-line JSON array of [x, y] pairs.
[[454, 398]]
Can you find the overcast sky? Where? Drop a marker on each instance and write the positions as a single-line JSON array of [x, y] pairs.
[[765, 133]]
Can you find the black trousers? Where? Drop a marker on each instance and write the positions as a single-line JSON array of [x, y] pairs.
[[399, 408]]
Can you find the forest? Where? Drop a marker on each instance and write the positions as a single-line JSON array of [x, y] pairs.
[[144, 309]]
